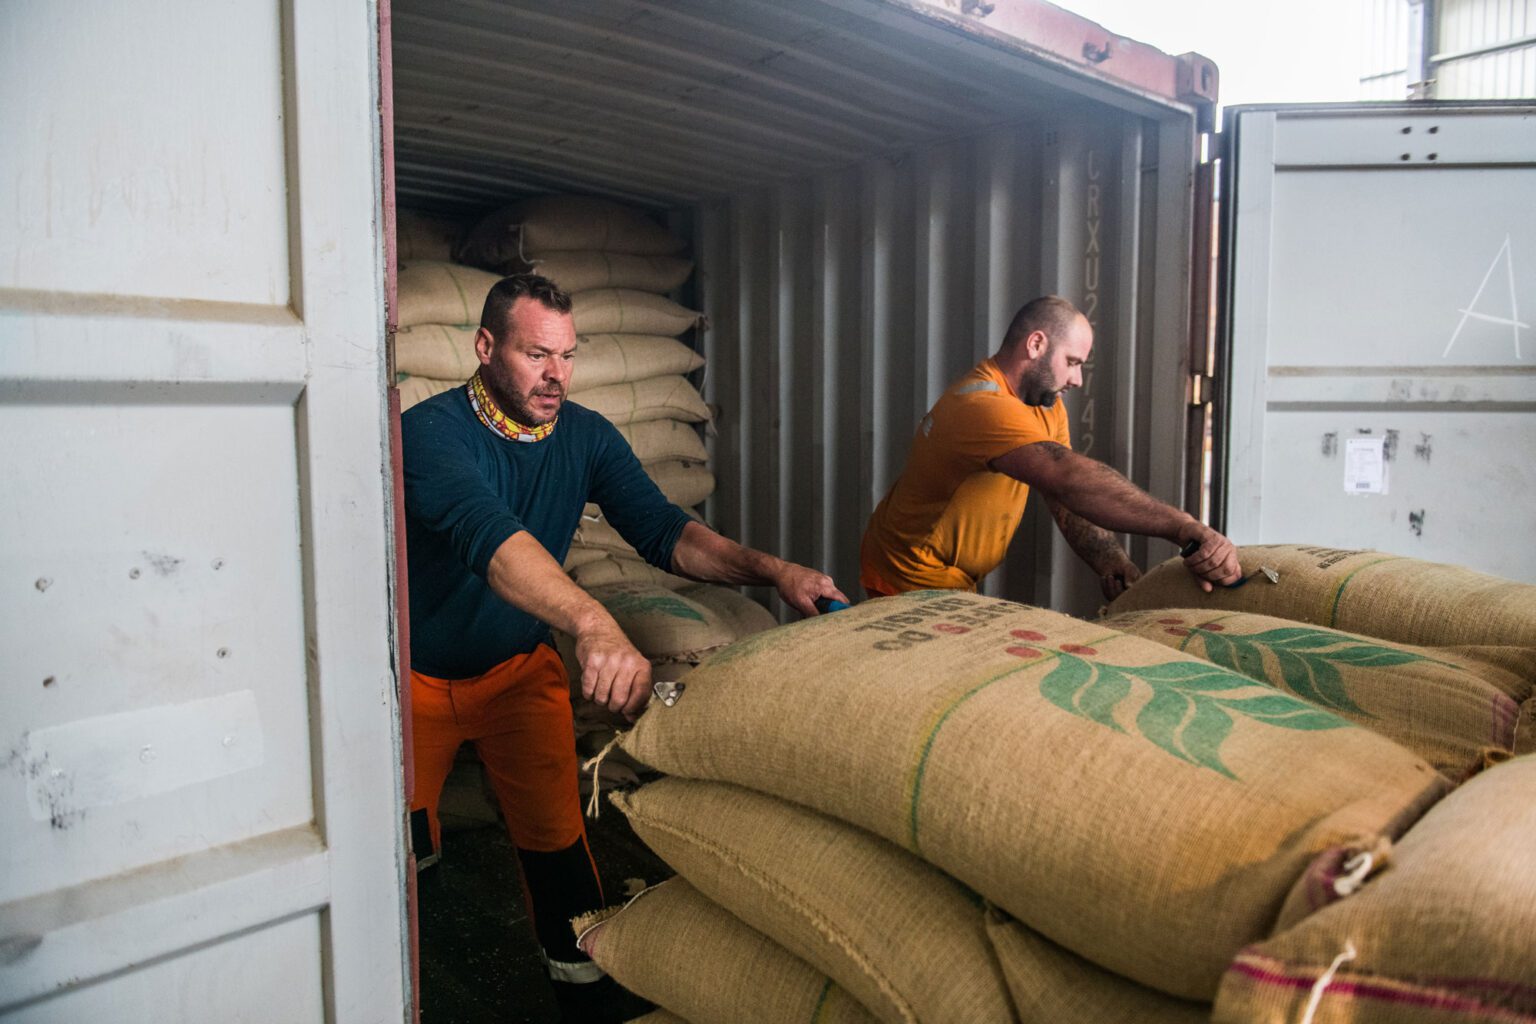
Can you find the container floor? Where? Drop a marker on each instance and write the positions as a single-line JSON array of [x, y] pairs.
[[479, 960]]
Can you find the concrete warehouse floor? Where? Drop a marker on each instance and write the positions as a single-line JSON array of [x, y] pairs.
[[479, 960]]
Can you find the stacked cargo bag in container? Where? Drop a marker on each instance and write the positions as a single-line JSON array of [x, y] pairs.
[[903, 938], [509, 238], [421, 236], [618, 569], [653, 440], [627, 311], [1145, 809], [603, 359], [739, 612], [439, 312], [1443, 937], [1452, 710], [668, 397], [681, 951], [438, 351], [1388, 596], [1050, 984], [589, 271], [683, 481], [664, 624]]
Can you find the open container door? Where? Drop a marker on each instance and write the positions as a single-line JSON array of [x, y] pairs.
[[202, 818], [1377, 308]]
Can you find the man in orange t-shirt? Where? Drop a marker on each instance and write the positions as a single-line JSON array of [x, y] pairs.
[[997, 432]]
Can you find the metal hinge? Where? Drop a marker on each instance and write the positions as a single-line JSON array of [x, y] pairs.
[[1202, 389]]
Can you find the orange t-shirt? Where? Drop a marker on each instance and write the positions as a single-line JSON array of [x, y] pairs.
[[948, 519]]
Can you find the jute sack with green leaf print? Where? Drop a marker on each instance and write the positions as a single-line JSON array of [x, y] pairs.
[[1445, 937], [1387, 596], [1451, 710], [447, 352], [663, 624], [743, 615], [1146, 809], [902, 937], [678, 949]]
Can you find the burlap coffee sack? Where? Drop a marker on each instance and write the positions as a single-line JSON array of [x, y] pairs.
[[668, 397], [603, 359], [447, 352], [441, 351], [664, 624], [415, 390], [610, 569], [1386, 596], [1448, 709], [581, 554], [653, 440], [903, 938], [1445, 937], [1143, 808], [626, 311], [683, 481], [743, 615], [422, 236], [585, 271], [679, 950], [659, 1017], [506, 239], [435, 292], [1047, 983]]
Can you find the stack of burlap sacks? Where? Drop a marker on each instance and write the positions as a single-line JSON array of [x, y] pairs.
[[618, 265], [1309, 801]]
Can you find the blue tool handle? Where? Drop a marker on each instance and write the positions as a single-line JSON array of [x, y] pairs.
[[827, 604]]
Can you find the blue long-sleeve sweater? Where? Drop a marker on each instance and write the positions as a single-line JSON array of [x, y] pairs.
[[467, 489]]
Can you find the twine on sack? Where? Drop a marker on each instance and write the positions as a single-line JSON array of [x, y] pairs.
[[1355, 871], [594, 805], [1323, 982]]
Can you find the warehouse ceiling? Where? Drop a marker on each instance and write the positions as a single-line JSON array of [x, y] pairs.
[[671, 102]]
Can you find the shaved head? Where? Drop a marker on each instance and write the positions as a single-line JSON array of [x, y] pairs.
[[1050, 313]]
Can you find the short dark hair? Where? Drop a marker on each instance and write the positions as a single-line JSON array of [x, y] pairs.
[[499, 300], [1049, 313]]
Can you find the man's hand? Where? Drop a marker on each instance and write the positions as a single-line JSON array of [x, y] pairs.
[[801, 588], [1215, 561], [1116, 573], [613, 674]]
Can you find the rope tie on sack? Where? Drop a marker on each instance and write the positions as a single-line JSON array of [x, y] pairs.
[[1356, 870], [1325, 980], [593, 763]]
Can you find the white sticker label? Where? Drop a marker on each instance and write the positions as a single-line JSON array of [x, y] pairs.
[[111, 759], [1365, 466]]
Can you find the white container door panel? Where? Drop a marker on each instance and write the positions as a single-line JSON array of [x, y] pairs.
[[1383, 286], [200, 768]]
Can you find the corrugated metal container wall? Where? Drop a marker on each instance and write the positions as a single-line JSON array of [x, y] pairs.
[[1383, 74], [1485, 49], [871, 196]]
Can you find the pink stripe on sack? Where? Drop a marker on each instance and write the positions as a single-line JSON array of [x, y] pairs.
[[1506, 713], [1449, 1002]]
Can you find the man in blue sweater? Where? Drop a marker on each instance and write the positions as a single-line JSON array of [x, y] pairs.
[[496, 474]]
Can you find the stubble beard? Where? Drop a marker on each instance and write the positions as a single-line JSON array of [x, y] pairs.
[[1038, 387], [515, 404]]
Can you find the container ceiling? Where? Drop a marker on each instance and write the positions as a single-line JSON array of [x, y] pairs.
[[672, 102]]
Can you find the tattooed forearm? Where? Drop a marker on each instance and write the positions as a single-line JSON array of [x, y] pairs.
[[1093, 544]]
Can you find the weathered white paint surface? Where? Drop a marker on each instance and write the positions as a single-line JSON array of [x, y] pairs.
[[199, 763]]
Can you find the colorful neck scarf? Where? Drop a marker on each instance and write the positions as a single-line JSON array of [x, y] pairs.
[[491, 415]]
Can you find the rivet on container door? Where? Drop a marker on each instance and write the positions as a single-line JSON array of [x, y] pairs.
[[43, 583]]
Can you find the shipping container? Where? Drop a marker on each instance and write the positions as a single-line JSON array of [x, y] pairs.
[[201, 528]]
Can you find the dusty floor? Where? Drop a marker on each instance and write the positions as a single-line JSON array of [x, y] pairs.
[[479, 961]]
